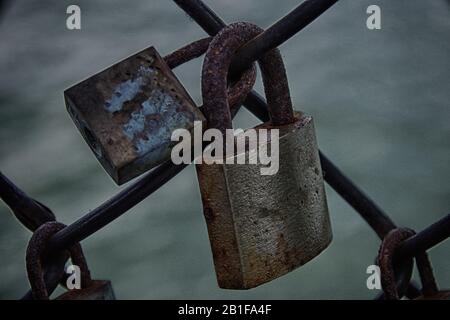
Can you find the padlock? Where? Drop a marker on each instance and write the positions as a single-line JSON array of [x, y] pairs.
[[386, 263], [127, 113], [261, 226], [90, 289]]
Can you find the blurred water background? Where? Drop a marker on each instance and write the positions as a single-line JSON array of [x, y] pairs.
[[380, 100]]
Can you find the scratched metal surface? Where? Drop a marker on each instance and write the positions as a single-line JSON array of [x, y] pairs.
[[127, 113], [264, 226], [380, 107]]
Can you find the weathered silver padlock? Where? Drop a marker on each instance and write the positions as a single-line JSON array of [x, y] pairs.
[[128, 112], [385, 261], [261, 227], [90, 289]]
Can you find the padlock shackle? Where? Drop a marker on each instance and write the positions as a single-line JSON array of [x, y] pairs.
[[215, 71], [35, 250]]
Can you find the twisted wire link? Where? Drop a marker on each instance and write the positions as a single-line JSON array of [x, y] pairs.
[[35, 250]]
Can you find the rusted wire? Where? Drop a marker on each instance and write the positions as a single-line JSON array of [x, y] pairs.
[[236, 93], [31, 213], [187, 53], [277, 34], [426, 239]]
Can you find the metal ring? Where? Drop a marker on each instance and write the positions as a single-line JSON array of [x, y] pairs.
[[239, 89], [36, 249], [388, 268]]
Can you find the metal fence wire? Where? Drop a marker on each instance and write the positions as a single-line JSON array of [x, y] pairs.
[[31, 213]]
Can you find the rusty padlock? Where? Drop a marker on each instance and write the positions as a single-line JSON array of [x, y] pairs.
[[261, 226], [90, 289], [128, 112], [385, 261]]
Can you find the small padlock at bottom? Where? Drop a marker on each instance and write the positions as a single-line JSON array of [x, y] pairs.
[[90, 289], [97, 290]]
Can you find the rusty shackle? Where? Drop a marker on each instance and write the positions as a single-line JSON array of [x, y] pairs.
[[214, 77]]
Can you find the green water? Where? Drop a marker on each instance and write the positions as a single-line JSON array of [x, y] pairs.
[[380, 100]]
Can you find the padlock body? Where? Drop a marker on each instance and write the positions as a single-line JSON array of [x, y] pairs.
[[263, 226], [97, 290], [127, 113]]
